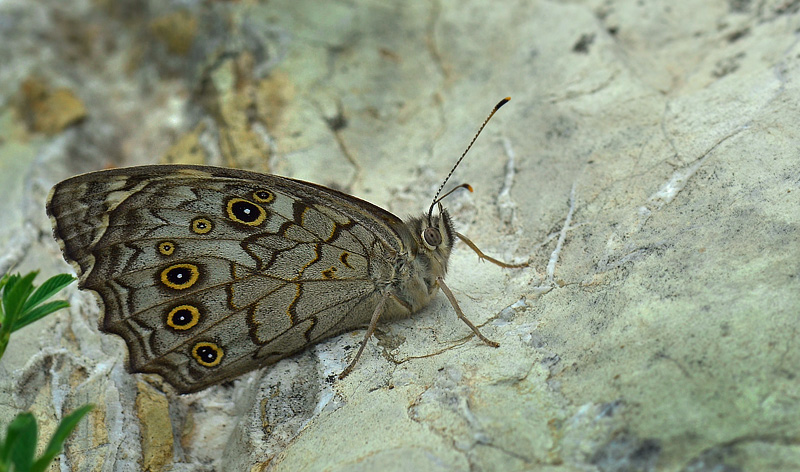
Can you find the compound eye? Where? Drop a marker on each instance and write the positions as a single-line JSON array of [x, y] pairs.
[[432, 238]]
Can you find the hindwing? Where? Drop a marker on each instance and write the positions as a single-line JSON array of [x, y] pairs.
[[207, 273]]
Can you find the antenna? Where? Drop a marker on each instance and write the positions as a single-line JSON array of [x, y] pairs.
[[436, 198]]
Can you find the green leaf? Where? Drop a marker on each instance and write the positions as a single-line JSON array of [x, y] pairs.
[[6, 446], [49, 288], [21, 305], [9, 316], [65, 428], [6, 283], [19, 444], [15, 293], [38, 313]]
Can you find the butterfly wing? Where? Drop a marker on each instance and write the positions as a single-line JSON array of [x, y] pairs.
[[208, 273]]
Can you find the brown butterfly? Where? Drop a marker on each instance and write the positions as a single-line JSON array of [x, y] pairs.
[[208, 273]]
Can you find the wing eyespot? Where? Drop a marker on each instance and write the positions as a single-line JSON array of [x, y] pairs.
[[183, 317], [246, 212], [207, 354], [263, 196], [166, 248], [202, 226], [180, 276]]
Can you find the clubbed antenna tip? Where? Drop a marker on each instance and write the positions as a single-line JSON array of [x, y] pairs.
[[436, 198]]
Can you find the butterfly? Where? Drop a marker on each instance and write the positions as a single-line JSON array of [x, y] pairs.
[[208, 273]]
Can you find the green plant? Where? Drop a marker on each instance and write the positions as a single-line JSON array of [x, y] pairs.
[[19, 446], [21, 303]]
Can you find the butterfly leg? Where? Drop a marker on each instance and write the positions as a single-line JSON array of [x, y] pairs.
[[489, 258], [373, 322], [460, 313]]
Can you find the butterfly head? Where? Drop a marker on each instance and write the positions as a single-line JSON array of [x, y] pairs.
[[434, 235], [436, 232]]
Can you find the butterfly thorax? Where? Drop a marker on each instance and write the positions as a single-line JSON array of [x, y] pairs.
[[414, 282]]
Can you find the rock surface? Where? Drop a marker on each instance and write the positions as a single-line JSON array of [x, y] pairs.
[[647, 166]]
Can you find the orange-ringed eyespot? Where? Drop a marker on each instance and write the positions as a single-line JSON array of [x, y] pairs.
[[263, 196], [180, 276], [242, 211], [166, 248], [201, 225], [207, 354], [183, 317]]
